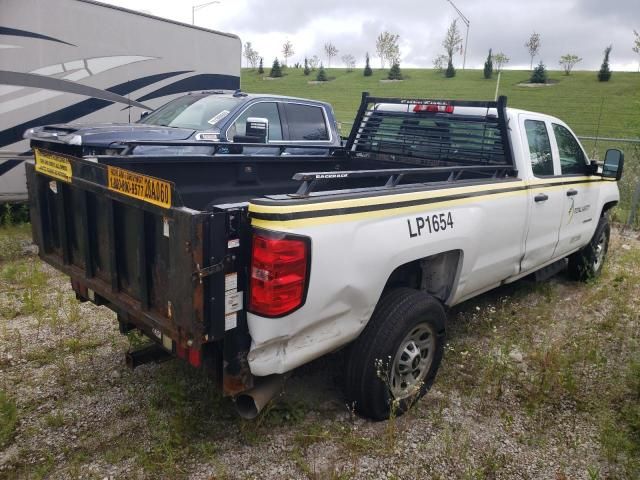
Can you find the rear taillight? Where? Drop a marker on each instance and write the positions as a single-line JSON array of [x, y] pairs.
[[279, 272], [433, 108]]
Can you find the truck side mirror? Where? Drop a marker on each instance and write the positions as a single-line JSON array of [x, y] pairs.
[[144, 114], [257, 128], [256, 131], [613, 164]]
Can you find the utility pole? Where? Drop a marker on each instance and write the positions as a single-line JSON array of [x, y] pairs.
[[195, 8], [466, 21]]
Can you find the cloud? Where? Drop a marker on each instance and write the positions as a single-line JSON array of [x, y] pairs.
[[582, 27]]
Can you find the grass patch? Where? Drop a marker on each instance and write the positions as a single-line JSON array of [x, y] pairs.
[[12, 241], [617, 114], [8, 419]]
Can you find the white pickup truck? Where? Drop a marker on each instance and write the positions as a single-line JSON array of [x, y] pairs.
[[429, 203]]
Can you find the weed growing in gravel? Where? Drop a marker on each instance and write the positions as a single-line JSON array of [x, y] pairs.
[[8, 418], [54, 420]]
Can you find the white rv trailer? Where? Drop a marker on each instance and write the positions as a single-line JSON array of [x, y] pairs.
[[85, 61]]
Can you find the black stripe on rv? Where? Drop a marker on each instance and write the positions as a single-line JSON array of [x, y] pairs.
[[81, 109], [283, 217], [204, 81], [61, 85], [24, 33], [9, 165]]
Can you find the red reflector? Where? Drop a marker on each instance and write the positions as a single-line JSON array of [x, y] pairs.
[[278, 275], [195, 357], [433, 108]]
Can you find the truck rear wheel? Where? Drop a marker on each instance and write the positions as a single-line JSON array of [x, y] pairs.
[[587, 263], [394, 361]]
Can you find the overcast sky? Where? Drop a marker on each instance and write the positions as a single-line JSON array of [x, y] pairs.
[[582, 27]]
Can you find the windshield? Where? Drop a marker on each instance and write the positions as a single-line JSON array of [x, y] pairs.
[[198, 113]]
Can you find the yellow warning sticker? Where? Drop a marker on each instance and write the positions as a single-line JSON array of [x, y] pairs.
[[52, 165], [149, 189]]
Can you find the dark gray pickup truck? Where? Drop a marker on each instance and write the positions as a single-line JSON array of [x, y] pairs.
[[211, 117]]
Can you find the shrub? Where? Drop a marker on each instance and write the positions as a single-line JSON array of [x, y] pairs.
[[367, 68], [605, 73], [488, 66], [322, 75], [539, 74], [261, 67], [451, 71], [394, 72], [276, 69]]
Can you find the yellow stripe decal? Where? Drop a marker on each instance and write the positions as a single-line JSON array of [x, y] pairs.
[[394, 203]]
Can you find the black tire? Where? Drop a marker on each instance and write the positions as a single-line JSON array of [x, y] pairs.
[[586, 263], [400, 313]]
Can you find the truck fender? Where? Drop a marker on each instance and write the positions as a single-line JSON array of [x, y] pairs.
[[608, 206], [436, 274]]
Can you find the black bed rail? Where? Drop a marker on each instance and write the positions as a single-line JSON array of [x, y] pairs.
[[129, 146], [432, 136], [393, 177]]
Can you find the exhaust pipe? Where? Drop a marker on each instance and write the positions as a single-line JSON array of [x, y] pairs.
[[250, 403]]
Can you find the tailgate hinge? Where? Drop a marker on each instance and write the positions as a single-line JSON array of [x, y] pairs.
[[201, 273]]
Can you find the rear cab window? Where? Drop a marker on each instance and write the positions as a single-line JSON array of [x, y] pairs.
[[306, 122], [540, 153]]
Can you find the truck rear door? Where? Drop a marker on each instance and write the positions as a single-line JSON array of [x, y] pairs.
[[546, 201]]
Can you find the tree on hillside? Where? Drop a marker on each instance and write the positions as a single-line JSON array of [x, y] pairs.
[[251, 55], [322, 75], [488, 66], [307, 70], [439, 62], [330, 51], [349, 62], [388, 48], [394, 71], [287, 51], [569, 61], [636, 45], [533, 46], [314, 62], [451, 42], [539, 74], [500, 60], [261, 67], [367, 68], [276, 69], [605, 73]]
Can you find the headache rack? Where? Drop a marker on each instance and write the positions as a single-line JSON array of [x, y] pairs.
[[447, 140], [432, 132]]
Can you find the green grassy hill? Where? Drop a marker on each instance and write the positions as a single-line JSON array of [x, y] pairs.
[[579, 99]]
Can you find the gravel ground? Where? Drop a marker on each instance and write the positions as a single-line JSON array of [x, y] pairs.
[[82, 414]]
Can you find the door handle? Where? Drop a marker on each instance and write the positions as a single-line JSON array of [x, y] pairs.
[[572, 192], [541, 197]]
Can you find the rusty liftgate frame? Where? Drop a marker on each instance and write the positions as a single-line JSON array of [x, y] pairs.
[[134, 257]]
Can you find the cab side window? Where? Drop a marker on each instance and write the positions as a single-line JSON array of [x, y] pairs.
[[306, 122], [539, 147], [268, 110], [572, 158]]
